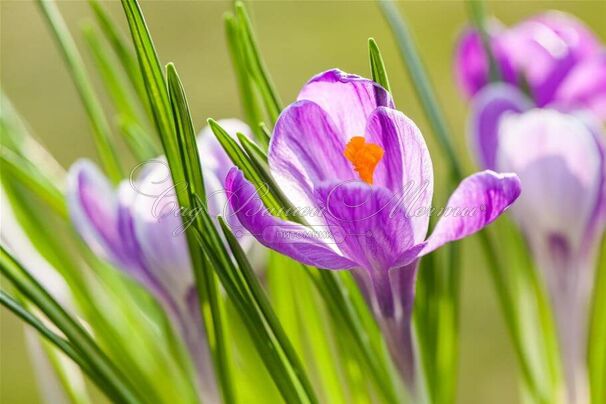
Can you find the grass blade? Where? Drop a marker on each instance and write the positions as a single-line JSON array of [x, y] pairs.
[[377, 66], [81, 340], [101, 128], [138, 141], [256, 65], [205, 279]]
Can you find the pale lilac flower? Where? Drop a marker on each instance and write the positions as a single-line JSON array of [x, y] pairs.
[[559, 58], [139, 228], [362, 172], [560, 160]]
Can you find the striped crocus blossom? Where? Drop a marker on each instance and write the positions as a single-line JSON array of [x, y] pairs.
[[139, 228], [560, 160], [554, 54], [360, 174]]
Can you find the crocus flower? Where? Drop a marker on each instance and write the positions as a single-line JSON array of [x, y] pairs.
[[560, 160], [361, 171], [139, 228], [555, 54]]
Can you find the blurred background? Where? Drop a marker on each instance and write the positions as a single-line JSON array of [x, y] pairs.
[[298, 40]]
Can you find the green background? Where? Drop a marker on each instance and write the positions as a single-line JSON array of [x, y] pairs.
[[298, 40]]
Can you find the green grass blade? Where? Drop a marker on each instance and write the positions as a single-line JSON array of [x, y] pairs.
[[205, 279], [16, 308], [377, 66], [258, 295], [597, 336], [80, 339], [250, 103], [256, 65], [477, 13], [101, 128], [421, 83], [139, 141], [155, 84], [122, 50], [30, 176]]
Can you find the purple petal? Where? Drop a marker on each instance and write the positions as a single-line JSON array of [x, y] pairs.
[[375, 230], [308, 245], [488, 108], [159, 230], [585, 86], [471, 62], [348, 99], [560, 164], [306, 149], [556, 43], [406, 167], [477, 202], [94, 208]]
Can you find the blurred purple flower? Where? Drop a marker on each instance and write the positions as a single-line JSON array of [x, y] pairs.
[[560, 160], [559, 58], [344, 128], [139, 228]]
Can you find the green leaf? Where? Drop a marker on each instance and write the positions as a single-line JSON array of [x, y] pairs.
[[597, 336], [121, 48], [204, 276], [155, 84], [421, 83], [101, 128], [30, 176], [253, 110], [377, 66], [138, 140], [76, 335], [477, 12], [256, 65]]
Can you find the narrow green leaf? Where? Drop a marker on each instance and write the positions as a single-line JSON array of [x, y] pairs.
[[377, 66], [477, 12], [597, 335], [101, 128], [255, 289], [250, 103], [30, 176], [205, 280], [122, 50], [256, 65], [138, 141], [155, 84], [81, 340], [421, 83], [16, 308]]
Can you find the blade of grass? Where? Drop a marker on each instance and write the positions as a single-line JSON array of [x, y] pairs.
[[125, 55], [81, 340], [597, 336], [477, 13], [377, 66], [101, 128], [422, 85], [205, 280], [248, 96], [256, 65], [139, 142]]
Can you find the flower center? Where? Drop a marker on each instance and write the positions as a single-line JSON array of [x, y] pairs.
[[364, 157]]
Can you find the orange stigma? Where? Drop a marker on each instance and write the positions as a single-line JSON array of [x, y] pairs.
[[364, 157]]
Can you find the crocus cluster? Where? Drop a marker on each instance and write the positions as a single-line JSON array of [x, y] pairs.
[[553, 55], [362, 172], [138, 227], [550, 134]]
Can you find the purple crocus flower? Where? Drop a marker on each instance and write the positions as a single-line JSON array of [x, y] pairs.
[[139, 228], [560, 160], [360, 173], [559, 58]]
